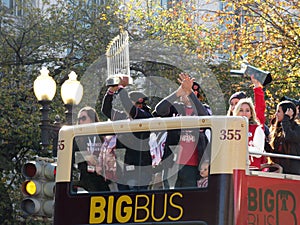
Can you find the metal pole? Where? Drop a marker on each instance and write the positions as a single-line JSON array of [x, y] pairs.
[[55, 130], [276, 155], [69, 114], [45, 123]]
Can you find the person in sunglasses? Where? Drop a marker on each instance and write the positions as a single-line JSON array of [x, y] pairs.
[[136, 173], [87, 149]]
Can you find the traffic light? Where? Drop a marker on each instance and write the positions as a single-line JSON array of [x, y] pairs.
[[39, 187]]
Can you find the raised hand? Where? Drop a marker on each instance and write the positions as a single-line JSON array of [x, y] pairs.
[[255, 82], [186, 83], [124, 81]]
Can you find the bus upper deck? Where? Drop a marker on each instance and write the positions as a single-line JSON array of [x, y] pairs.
[[104, 175]]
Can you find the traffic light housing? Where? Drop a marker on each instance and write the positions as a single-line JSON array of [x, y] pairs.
[[39, 187]]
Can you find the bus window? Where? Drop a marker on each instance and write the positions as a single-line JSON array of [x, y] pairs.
[[133, 161], [86, 153]]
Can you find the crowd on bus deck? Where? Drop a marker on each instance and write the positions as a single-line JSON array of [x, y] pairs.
[[281, 137], [92, 164]]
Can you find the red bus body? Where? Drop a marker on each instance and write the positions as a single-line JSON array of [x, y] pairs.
[[234, 195], [261, 200]]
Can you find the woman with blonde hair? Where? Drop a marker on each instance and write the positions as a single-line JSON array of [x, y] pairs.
[[256, 135]]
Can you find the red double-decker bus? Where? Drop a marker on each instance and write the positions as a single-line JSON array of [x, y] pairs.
[[231, 194]]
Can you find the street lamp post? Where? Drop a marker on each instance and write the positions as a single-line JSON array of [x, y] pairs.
[[44, 89]]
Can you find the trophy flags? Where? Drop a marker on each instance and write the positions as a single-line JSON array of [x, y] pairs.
[[117, 55]]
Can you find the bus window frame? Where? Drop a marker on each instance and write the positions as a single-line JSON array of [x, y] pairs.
[[206, 156]]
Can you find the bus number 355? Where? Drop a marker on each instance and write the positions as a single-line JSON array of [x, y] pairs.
[[230, 134]]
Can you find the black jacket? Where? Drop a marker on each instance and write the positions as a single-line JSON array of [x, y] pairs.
[[90, 181], [169, 107], [136, 144], [288, 144]]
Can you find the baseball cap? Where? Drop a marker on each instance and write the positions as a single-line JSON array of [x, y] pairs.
[[138, 97], [238, 95]]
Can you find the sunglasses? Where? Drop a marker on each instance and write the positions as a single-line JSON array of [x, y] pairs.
[[83, 118]]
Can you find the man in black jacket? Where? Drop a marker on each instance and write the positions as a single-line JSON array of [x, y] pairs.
[[136, 172]]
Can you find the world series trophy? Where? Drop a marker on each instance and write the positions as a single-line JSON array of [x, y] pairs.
[[264, 77], [117, 55]]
